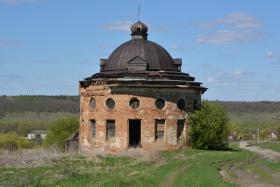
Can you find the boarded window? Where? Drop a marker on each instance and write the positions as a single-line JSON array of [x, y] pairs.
[[93, 128], [110, 129], [159, 129], [134, 103], [160, 103], [180, 127]]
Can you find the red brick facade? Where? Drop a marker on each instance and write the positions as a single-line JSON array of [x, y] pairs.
[[147, 113]]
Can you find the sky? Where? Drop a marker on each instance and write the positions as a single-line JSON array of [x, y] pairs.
[[232, 47]]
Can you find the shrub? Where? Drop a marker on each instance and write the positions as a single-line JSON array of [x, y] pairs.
[[209, 127], [12, 141], [60, 131]]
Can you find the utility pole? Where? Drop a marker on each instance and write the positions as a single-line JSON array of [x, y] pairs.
[[258, 135]]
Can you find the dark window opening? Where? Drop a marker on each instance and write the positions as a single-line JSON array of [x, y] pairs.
[[93, 128], [92, 103], [160, 103], [180, 127], [159, 129], [110, 129], [37, 136], [181, 104], [110, 103], [134, 133], [138, 29], [134, 103], [197, 104]]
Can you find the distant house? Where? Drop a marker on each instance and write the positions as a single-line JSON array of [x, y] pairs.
[[274, 135], [37, 135]]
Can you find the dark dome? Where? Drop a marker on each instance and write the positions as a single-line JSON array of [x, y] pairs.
[[156, 57]]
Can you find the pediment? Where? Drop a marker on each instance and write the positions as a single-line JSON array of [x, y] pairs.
[[136, 60], [137, 64]]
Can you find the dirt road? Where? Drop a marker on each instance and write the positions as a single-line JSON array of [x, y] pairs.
[[266, 153]]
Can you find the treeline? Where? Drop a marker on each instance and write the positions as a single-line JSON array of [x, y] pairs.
[[70, 104], [19, 104], [261, 106]]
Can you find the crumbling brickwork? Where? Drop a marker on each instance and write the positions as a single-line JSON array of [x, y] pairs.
[[147, 113]]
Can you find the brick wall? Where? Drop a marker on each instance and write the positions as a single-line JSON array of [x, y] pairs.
[[147, 113]]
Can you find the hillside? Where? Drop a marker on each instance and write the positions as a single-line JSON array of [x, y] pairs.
[[24, 113], [70, 104], [38, 104]]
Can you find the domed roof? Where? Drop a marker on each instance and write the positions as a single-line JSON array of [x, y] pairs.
[[139, 51], [139, 28], [141, 63]]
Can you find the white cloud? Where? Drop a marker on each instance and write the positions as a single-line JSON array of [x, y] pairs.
[[211, 80], [17, 2], [233, 28], [119, 25], [236, 20], [10, 44], [273, 56], [269, 54], [237, 73], [228, 37]]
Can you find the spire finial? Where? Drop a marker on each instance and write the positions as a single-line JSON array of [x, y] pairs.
[[139, 10]]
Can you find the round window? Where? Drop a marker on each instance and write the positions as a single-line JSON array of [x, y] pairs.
[[160, 103], [181, 104], [110, 103], [134, 103], [92, 103]]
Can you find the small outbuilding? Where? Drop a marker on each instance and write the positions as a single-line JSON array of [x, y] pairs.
[[37, 136], [140, 98]]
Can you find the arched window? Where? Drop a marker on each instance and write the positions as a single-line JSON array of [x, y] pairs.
[[181, 104], [92, 103], [134, 103], [110, 103], [160, 103]]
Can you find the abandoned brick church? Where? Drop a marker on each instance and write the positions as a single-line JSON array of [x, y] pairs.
[[140, 98]]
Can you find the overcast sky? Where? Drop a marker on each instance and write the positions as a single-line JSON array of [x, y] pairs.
[[232, 47]]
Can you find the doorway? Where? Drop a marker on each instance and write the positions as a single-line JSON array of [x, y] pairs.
[[134, 132]]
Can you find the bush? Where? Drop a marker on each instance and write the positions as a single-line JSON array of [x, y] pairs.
[[60, 131], [12, 141], [209, 127]]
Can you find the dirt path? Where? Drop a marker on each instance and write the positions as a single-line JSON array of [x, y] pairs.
[[169, 180], [266, 153], [236, 173]]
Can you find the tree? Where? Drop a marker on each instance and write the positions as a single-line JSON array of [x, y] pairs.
[[61, 130], [209, 127]]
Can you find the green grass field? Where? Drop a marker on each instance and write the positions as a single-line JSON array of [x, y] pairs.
[[186, 167]]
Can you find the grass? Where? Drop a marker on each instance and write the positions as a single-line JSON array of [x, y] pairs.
[[275, 146], [186, 167]]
